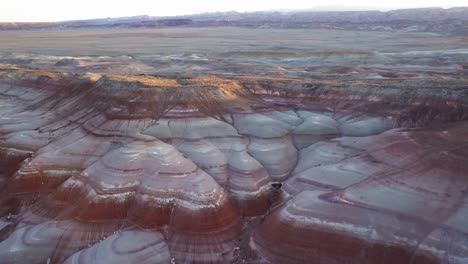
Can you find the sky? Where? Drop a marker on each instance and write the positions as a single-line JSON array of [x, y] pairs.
[[60, 10]]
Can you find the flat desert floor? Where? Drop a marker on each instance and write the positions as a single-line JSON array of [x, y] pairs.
[[114, 42]]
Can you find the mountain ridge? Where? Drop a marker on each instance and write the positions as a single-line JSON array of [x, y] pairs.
[[437, 20]]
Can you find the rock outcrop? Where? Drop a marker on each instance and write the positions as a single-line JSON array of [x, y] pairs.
[[108, 166]]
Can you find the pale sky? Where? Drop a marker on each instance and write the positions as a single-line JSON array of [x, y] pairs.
[[59, 10]]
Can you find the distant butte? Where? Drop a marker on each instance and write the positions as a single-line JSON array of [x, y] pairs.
[[452, 21]]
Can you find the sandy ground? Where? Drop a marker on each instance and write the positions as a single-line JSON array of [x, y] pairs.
[[115, 42]]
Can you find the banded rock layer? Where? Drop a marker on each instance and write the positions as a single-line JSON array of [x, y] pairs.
[[112, 167]]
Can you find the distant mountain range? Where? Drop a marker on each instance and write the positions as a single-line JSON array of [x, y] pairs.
[[437, 20]]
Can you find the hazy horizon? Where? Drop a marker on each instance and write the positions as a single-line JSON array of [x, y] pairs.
[[56, 10]]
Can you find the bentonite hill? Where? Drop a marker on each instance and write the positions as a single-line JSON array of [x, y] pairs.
[[233, 145]]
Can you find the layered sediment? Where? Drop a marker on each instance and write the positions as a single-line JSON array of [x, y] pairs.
[[108, 166]]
